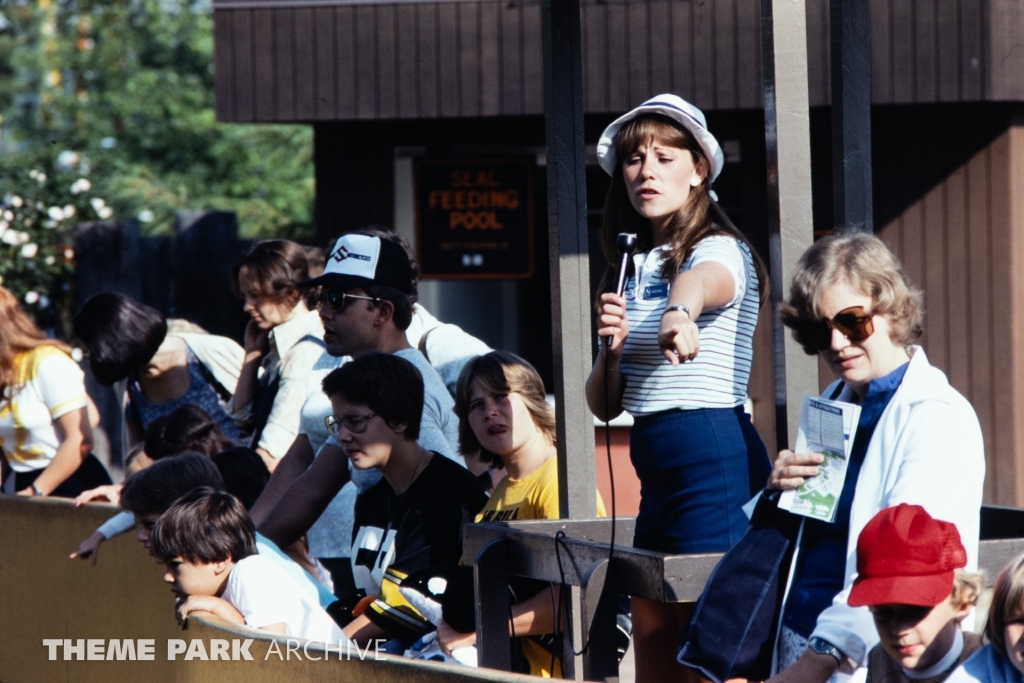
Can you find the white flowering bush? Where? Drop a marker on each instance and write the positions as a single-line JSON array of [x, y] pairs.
[[39, 207]]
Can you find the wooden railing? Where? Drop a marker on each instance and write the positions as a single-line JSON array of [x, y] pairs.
[[44, 596], [577, 553]]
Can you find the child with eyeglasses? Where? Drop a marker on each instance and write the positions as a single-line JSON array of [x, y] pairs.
[[412, 518]]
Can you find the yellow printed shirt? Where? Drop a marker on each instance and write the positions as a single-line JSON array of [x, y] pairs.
[[532, 497], [47, 384]]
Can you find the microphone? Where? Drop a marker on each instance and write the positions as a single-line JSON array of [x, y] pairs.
[[625, 243]]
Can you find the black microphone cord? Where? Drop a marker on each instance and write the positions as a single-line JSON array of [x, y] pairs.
[[625, 244]]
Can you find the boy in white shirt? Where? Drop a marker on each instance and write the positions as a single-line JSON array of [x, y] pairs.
[[208, 544]]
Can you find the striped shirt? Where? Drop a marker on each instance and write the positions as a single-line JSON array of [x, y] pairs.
[[717, 377]]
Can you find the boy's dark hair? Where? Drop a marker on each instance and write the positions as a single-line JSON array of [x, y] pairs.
[[245, 474], [189, 428], [390, 386], [401, 301], [202, 527], [154, 489], [119, 334]]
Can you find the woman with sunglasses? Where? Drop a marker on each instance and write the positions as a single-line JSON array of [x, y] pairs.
[[283, 341], [918, 441]]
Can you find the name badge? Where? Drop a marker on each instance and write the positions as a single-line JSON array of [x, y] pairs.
[[656, 291]]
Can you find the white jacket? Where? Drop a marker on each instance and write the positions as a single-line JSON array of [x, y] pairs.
[[927, 450]]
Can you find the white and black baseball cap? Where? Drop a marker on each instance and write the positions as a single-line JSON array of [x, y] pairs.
[[357, 260], [675, 108]]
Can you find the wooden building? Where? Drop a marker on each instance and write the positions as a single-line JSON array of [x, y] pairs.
[[390, 82]]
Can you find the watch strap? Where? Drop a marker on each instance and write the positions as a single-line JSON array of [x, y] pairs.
[[823, 647]]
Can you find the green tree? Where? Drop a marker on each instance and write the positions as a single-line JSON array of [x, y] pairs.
[[106, 107]]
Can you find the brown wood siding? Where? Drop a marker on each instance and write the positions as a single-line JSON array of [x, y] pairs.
[[1015, 228], [281, 61], [954, 214]]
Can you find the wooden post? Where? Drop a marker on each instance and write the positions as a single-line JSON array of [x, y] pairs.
[[570, 285], [791, 227], [851, 116], [569, 249]]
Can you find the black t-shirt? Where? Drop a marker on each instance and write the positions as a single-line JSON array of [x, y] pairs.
[[394, 536]]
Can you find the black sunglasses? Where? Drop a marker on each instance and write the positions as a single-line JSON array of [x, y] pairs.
[[337, 300], [854, 323]]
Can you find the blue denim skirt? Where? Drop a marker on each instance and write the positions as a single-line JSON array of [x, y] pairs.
[[697, 468]]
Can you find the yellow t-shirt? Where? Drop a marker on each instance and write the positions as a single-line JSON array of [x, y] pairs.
[[47, 384], [532, 497]]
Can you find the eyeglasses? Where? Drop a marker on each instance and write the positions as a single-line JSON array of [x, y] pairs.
[[854, 323], [337, 300], [353, 422]]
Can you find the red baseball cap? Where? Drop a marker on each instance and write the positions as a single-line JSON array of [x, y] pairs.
[[905, 556]]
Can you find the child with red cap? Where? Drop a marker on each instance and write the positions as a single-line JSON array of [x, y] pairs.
[[908, 575]]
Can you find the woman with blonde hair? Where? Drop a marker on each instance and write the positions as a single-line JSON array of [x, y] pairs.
[[676, 349], [503, 415], [45, 432], [917, 441]]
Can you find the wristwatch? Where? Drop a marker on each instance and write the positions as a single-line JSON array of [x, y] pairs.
[[823, 647], [678, 307]]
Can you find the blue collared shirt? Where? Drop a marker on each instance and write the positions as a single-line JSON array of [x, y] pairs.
[[822, 563]]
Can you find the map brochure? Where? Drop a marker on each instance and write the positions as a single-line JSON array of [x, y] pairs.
[[826, 427]]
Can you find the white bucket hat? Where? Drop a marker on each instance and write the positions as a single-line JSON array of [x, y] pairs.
[[675, 108]]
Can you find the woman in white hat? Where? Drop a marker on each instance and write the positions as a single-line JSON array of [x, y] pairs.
[[679, 349]]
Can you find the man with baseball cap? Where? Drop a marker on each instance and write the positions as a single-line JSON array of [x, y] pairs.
[[368, 288], [908, 574]]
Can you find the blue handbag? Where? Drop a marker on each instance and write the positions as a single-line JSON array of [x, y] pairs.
[[733, 628]]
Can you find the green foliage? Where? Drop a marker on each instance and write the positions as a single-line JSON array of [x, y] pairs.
[[36, 254], [120, 93]]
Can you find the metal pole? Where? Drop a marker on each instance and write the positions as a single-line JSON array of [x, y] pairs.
[[851, 116], [791, 228], [570, 286], [569, 244]]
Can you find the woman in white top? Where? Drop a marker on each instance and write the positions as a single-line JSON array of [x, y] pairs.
[[679, 349], [284, 340], [918, 441], [44, 426]]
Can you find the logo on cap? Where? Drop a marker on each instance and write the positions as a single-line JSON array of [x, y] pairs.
[[342, 253]]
